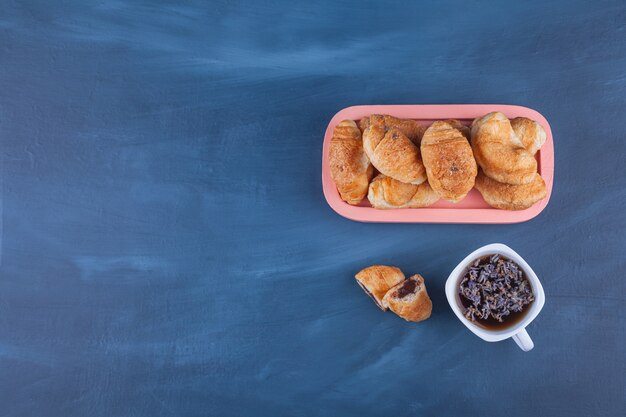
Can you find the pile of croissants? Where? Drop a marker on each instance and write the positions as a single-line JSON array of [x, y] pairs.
[[417, 166]]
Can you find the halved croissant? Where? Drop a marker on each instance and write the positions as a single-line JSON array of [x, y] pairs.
[[377, 280], [409, 299]]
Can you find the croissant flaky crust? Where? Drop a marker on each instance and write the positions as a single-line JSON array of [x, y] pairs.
[[394, 154], [530, 133], [448, 158], [377, 280], [508, 196], [350, 167], [409, 299], [465, 131], [387, 193], [412, 129], [499, 152]]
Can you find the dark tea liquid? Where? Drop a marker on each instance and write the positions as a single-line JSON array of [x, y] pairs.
[[491, 323]]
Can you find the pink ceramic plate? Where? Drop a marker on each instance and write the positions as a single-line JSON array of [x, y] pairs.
[[473, 208]]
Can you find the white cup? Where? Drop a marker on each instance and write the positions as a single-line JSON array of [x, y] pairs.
[[518, 330]]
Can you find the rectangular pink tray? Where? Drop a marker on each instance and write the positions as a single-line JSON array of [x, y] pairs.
[[473, 208]]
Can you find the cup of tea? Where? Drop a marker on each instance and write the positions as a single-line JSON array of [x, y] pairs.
[[496, 294]]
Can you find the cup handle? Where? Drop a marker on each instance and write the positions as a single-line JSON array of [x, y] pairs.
[[523, 340]]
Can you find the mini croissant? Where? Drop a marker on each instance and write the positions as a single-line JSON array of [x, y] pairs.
[[394, 154], [350, 168], [509, 196], [387, 193], [448, 159], [499, 152]]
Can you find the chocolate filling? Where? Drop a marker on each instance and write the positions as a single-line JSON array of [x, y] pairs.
[[407, 288]]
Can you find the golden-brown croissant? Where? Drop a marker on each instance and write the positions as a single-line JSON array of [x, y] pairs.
[[412, 129], [393, 154], [409, 299], [449, 161], [377, 280], [530, 133], [499, 152], [387, 193], [508, 196], [350, 168]]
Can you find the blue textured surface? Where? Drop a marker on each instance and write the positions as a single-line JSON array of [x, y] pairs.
[[166, 248]]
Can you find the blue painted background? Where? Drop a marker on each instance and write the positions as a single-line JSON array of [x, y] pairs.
[[167, 251]]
